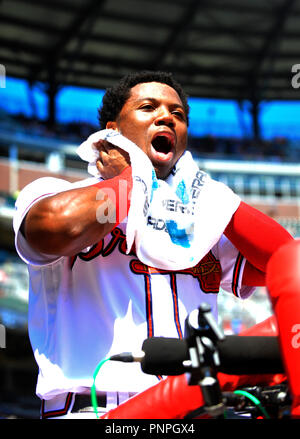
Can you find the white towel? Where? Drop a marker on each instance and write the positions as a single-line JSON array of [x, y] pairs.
[[173, 222]]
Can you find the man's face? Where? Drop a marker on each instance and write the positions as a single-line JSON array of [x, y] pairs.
[[154, 119]]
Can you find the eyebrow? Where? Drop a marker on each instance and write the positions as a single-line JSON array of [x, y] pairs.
[[156, 101]]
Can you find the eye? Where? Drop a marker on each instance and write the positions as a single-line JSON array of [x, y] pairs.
[[147, 106], [179, 114]]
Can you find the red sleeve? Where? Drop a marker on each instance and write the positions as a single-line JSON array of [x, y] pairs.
[[283, 281], [119, 190], [257, 237]]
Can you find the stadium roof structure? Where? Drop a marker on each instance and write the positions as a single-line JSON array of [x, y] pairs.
[[227, 49]]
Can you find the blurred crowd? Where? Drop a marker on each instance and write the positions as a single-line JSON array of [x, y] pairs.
[[71, 132], [276, 149]]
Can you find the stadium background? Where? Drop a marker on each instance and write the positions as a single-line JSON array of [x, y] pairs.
[[236, 60]]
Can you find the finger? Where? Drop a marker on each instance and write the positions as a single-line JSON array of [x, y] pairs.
[[103, 157], [106, 171], [100, 145], [99, 166], [104, 145], [108, 158]]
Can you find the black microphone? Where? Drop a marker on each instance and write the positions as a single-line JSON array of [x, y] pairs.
[[251, 354], [164, 356], [238, 355]]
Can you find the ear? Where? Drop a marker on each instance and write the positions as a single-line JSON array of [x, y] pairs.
[[112, 125]]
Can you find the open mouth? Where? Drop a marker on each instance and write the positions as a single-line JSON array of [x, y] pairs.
[[163, 144]]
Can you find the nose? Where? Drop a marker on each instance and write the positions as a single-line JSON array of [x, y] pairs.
[[165, 117]]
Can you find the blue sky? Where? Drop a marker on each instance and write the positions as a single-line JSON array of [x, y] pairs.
[[218, 117]]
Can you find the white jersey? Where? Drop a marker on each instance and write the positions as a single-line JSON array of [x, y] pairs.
[[83, 309]]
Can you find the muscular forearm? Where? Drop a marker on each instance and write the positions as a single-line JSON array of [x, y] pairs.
[[66, 223]]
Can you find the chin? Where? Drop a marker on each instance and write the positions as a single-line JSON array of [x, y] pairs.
[[162, 174]]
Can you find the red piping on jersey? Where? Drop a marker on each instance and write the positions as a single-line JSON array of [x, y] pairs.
[[149, 306], [150, 329], [175, 301], [236, 274]]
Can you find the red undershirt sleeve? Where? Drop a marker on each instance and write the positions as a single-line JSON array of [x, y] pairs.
[[257, 237], [118, 189]]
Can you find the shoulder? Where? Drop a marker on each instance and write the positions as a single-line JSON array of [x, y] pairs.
[[46, 186]]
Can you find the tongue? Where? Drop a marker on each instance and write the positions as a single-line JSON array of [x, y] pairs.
[[161, 156]]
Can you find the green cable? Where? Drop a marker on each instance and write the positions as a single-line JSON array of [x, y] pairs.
[[254, 400], [94, 401], [93, 388]]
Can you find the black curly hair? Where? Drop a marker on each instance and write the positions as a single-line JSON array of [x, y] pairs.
[[116, 96]]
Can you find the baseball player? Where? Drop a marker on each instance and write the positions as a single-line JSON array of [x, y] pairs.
[[90, 296]]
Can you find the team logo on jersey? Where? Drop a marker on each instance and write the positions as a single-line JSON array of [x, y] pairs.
[[118, 239], [207, 272]]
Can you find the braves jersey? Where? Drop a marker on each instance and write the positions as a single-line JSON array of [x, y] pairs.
[[83, 309]]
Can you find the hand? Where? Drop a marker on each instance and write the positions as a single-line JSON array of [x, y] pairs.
[[112, 160]]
